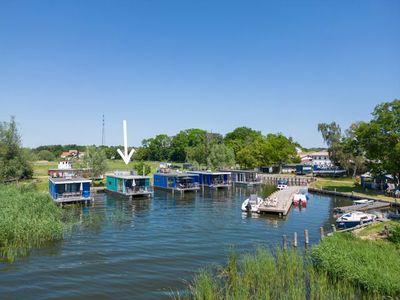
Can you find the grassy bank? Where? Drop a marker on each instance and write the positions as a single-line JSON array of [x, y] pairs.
[[348, 185], [340, 267], [28, 218], [372, 265], [263, 275]]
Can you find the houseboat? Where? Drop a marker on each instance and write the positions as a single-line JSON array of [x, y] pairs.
[[245, 177], [70, 189], [128, 184], [213, 179], [173, 181]]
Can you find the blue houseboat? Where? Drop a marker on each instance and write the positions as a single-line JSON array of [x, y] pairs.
[[245, 177], [181, 182], [213, 179], [70, 189], [128, 184]]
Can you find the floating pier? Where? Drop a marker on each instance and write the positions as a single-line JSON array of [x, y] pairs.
[[279, 202], [362, 207]]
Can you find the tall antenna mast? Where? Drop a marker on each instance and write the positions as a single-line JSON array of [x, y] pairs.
[[103, 133]]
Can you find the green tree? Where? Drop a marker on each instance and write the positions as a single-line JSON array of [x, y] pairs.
[[380, 139], [221, 156], [14, 163], [241, 137], [183, 140], [46, 155], [142, 168], [96, 161]]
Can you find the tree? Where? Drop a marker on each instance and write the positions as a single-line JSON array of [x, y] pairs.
[[241, 137], [14, 163], [380, 139], [96, 161], [185, 139], [142, 168], [46, 155], [221, 156]]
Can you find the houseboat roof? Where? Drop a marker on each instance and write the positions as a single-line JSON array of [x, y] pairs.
[[239, 171], [175, 174], [64, 180], [210, 172], [127, 176]]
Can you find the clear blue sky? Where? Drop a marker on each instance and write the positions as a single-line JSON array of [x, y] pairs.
[[275, 66]]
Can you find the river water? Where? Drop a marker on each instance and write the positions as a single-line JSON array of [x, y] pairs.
[[151, 248]]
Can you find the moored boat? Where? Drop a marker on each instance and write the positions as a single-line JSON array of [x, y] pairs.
[[363, 201], [354, 218], [300, 199], [252, 203], [282, 184]]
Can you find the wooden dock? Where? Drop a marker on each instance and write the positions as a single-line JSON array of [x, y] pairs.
[[362, 207], [279, 202]]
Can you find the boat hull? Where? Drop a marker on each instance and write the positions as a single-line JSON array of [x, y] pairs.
[[350, 224]]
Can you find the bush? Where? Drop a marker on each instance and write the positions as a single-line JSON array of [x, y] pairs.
[[394, 236], [46, 155]]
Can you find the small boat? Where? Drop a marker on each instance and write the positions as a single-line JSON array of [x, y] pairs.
[[251, 204], [353, 219], [363, 201], [300, 199], [282, 184]]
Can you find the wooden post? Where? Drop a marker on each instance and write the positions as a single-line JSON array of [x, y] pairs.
[[333, 227], [284, 241], [306, 239], [295, 240], [386, 230], [321, 232]]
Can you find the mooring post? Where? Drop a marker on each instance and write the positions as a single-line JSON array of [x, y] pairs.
[[295, 240], [284, 237], [333, 227], [306, 239], [386, 230], [321, 232]]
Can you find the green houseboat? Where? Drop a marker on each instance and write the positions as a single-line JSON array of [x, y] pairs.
[[128, 184]]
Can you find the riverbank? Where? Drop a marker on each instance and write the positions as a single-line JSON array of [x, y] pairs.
[[335, 269], [347, 187]]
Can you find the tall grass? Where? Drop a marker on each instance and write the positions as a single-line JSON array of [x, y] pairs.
[[27, 219], [372, 265], [266, 275]]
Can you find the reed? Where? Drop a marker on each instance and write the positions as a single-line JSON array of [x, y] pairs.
[[266, 275], [28, 219]]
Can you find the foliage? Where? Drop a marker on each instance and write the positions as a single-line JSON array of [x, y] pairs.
[[380, 139], [58, 149], [96, 161], [285, 275], [394, 236], [221, 156], [27, 219], [344, 150], [45, 155], [14, 162], [142, 168], [372, 265], [241, 137], [272, 149]]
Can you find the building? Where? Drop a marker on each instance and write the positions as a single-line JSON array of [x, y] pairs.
[[245, 177], [320, 159], [173, 181], [213, 179], [128, 184], [70, 189]]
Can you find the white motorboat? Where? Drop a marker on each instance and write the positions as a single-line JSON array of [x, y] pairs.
[[251, 204], [282, 184], [354, 218], [363, 201]]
